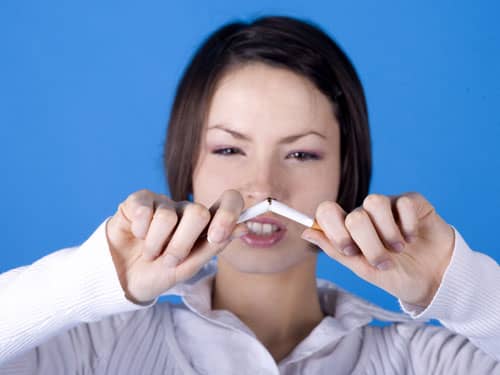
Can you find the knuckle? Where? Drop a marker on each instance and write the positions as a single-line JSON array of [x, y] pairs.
[[139, 194], [325, 207], [199, 211], [343, 241], [375, 201], [378, 259], [394, 243], [137, 198], [355, 218], [405, 201], [167, 216], [132, 199], [161, 198], [414, 195], [394, 235]]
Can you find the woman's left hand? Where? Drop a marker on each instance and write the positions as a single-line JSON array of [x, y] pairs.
[[399, 244]]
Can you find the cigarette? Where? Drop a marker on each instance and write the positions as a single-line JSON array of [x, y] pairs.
[[271, 204], [253, 211]]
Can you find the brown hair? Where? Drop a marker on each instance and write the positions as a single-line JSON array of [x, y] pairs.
[[281, 42]]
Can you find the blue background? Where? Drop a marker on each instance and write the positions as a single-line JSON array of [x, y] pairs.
[[86, 89]]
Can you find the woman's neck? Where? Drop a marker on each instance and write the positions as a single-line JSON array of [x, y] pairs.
[[281, 309]]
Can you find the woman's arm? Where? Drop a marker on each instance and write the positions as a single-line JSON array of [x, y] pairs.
[[58, 292], [403, 246], [468, 298], [148, 247]]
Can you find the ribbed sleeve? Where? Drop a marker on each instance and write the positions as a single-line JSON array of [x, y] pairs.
[[57, 292], [468, 299]]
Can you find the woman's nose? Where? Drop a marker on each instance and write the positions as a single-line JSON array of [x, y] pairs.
[[264, 180]]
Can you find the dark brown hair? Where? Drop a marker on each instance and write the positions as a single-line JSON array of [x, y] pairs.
[[281, 42]]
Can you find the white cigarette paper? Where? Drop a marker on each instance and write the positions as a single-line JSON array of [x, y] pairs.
[[283, 210], [279, 208], [253, 211]]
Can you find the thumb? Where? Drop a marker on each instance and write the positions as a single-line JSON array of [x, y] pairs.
[[356, 263], [239, 231], [320, 240]]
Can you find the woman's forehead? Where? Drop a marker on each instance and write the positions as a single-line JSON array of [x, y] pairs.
[[260, 95]]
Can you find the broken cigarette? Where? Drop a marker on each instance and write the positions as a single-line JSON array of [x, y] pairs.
[[271, 204]]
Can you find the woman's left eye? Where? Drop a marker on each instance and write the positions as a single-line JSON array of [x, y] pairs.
[[227, 151], [303, 156]]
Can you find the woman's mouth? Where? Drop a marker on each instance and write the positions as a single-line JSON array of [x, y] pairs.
[[264, 232]]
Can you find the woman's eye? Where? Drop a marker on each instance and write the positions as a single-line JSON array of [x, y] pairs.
[[227, 151], [303, 156]]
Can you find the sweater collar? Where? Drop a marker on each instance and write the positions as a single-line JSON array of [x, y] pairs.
[[344, 311]]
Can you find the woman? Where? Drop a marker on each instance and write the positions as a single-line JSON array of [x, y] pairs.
[[272, 108]]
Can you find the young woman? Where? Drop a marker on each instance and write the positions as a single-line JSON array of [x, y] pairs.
[[268, 109]]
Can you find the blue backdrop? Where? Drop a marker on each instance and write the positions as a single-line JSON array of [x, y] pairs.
[[86, 89]]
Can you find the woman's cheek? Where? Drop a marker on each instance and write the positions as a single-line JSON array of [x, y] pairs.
[[213, 175]]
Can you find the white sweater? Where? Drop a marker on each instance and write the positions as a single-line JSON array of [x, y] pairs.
[[67, 314]]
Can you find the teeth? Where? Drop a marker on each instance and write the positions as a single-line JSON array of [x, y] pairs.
[[267, 228], [259, 228]]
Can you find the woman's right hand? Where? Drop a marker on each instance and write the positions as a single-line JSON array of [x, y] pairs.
[[156, 243]]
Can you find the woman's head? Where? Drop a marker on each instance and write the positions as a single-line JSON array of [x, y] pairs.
[[273, 108], [283, 44]]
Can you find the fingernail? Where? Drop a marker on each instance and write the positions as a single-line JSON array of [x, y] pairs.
[[216, 235], [349, 250], [398, 246], [410, 238], [384, 265], [238, 234]]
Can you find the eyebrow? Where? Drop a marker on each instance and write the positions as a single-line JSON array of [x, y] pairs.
[[288, 139]]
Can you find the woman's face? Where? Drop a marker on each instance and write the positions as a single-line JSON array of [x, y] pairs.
[[269, 133]]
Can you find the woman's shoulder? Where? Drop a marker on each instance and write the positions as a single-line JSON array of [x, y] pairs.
[[127, 326], [112, 342]]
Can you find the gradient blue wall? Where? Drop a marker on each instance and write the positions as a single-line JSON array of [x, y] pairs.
[[86, 87]]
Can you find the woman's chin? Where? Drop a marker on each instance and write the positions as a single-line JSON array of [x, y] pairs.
[[265, 260]]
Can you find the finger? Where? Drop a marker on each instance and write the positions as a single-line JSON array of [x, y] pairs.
[[331, 217], [138, 210], [379, 208], [407, 214], [196, 259], [424, 212], [203, 254], [226, 212], [195, 217], [162, 226], [356, 263], [364, 234], [422, 205]]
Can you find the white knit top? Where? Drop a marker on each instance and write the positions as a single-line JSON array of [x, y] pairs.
[[67, 314]]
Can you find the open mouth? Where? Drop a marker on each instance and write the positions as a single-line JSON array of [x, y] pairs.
[[264, 232], [262, 229]]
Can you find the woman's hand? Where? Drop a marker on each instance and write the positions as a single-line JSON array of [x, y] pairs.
[[399, 243], [156, 243]]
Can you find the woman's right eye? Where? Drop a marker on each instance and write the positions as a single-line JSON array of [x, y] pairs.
[[227, 151]]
